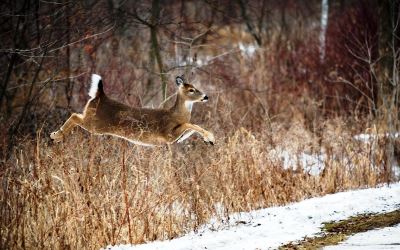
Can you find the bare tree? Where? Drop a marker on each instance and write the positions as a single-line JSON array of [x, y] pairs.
[[388, 77], [324, 25]]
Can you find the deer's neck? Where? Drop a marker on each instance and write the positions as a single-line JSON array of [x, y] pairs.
[[182, 107]]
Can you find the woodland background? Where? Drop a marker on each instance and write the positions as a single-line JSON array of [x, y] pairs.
[[282, 76]]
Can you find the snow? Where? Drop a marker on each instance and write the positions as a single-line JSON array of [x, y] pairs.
[[373, 137], [271, 227], [313, 164], [247, 49], [384, 238]]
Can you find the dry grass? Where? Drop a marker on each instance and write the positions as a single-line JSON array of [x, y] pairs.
[[91, 191]]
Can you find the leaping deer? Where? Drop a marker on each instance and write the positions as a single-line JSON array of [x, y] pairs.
[[143, 126]]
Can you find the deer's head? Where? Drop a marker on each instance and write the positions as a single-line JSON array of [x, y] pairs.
[[188, 92]]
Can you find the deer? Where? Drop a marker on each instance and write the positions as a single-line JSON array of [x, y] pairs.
[[142, 126]]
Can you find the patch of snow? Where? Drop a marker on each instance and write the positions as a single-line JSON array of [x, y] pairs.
[[247, 49], [373, 137], [384, 238], [311, 163], [202, 61], [271, 227]]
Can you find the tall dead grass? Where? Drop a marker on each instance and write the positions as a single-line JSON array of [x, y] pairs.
[[92, 191]]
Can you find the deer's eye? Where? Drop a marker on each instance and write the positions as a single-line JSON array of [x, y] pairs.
[[191, 90]]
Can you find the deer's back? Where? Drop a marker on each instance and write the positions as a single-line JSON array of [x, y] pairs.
[[110, 116]]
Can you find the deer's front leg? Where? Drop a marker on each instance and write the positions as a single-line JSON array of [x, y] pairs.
[[73, 120], [187, 127]]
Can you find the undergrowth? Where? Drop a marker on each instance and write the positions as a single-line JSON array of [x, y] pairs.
[[91, 191]]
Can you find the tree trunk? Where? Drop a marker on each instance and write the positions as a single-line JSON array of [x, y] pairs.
[[249, 25], [324, 25], [18, 34], [388, 75], [69, 87], [155, 16]]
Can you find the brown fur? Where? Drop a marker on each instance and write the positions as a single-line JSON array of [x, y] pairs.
[[103, 115]]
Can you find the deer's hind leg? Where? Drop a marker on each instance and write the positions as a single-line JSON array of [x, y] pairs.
[[73, 120]]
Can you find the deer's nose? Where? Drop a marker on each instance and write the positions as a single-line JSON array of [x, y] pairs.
[[205, 98]]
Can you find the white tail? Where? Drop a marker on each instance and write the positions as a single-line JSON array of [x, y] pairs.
[[94, 86]]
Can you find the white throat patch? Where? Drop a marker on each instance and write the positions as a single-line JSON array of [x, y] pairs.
[[189, 105]]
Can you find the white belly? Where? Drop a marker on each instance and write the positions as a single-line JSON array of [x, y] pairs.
[[185, 136], [133, 141]]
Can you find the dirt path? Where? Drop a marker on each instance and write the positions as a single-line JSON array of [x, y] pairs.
[[378, 239], [336, 232]]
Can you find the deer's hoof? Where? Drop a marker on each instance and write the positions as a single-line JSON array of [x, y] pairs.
[[210, 138]]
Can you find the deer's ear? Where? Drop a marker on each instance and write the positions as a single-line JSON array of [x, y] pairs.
[[180, 81]]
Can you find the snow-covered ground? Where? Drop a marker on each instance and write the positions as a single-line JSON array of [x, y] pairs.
[[384, 238], [272, 227]]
